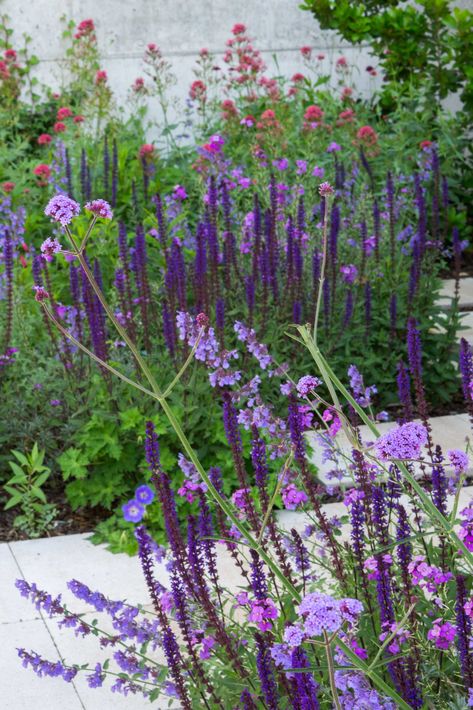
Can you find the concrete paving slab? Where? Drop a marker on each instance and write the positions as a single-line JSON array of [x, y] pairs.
[[447, 293], [467, 327], [69, 557], [20, 688], [13, 607], [87, 650], [450, 432]]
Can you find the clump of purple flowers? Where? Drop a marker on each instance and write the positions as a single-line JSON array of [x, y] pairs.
[[402, 442], [99, 208], [62, 209]]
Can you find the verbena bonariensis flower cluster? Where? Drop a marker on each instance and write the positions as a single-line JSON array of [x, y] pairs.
[[253, 254], [371, 609]]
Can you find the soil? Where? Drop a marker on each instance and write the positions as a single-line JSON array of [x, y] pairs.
[[67, 522]]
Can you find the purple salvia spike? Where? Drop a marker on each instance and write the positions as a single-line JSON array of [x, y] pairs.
[[393, 315], [348, 308], [258, 578], [301, 556], [250, 296], [200, 270], [220, 317], [404, 548], [113, 199], [305, 685], [466, 372], [67, 165], [106, 167], [145, 175], [367, 307], [376, 229], [246, 700], [83, 174], [142, 284], [392, 218], [266, 675], [162, 232], [8, 262], [435, 222], [76, 300], [179, 269], [169, 329], [463, 626], [457, 260], [367, 167], [404, 393], [439, 484], [134, 199], [414, 273], [88, 184], [257, 233], [297, 312], [421, 214]]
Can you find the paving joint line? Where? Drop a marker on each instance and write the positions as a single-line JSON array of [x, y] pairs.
[[43, 619]]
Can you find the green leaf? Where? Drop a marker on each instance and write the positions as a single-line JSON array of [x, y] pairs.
[[73, 463]]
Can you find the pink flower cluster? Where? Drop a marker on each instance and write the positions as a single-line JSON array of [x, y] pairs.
[[292, 497], [262, 612], [442, 633], [427, 576]]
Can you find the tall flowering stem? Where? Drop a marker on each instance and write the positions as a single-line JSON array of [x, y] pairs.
[[323, 265]]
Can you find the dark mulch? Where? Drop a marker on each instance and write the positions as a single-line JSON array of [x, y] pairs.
[[67, 522]]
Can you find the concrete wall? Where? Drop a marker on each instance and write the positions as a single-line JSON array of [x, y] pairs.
[[180, 28]]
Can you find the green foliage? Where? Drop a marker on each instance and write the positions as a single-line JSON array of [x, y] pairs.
[[427, 45], [25, 490]]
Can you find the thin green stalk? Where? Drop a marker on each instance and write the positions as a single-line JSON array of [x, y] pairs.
[[188, 361], [274, 496], [322, 269], [93, 356], [331, 672]]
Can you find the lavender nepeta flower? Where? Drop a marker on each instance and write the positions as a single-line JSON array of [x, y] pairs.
[[133, 511], [100, 208], [259, 350], [306, 384], [62, 209], [42, 667], [144, 495], [49, 248], [459, 460], [402, 442], [361, 393], [96, 679]]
